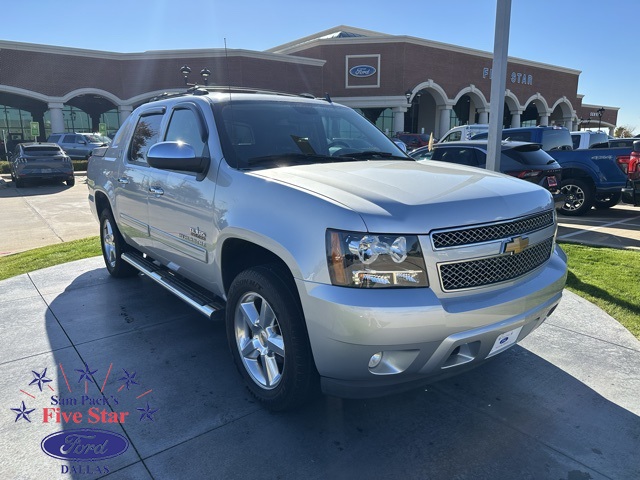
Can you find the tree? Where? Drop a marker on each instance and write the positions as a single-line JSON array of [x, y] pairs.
[[623, 131]]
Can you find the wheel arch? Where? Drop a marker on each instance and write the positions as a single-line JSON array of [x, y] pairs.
[[239, 254]]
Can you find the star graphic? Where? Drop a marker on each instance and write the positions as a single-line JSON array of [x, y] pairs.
[[86, 373], [40, 378], [147, 412], [23, 413], [129, 378]]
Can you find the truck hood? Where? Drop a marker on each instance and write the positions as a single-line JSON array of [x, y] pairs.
[[415, 197]]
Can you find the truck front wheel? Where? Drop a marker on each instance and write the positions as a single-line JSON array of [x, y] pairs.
[[113, 246], [268, 338], [580, 196]]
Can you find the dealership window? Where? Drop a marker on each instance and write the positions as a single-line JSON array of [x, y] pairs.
[[112, 120], [15, 124]]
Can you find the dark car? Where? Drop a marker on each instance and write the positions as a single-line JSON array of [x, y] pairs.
[[40, 161], [519, 159]]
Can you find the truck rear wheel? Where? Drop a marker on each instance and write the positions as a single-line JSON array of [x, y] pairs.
[[113, 246], [580, 196], [607, 201], [268, 338]]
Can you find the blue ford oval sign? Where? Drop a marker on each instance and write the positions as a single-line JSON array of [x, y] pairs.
[[84, 444], [362, 71]]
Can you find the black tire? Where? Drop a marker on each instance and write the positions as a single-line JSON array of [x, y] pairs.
[[71, 181], [277, 364], [607, 201], [19, 183], [113, 246], [580, 196]]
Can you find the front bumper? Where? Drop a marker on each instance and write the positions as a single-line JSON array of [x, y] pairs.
[[422, 337]]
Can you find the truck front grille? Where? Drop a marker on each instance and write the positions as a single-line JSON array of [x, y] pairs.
[[487, 271], [494, 231]]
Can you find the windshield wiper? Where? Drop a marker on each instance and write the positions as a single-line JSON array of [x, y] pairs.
[[373, 154], [294, 158]]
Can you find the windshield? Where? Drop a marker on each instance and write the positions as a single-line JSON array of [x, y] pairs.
[[257, 132]]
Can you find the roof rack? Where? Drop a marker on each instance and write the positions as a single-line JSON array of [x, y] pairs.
[[204, 90]]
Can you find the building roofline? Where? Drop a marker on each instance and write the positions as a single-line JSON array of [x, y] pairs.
[[375, 37], [158, 54]]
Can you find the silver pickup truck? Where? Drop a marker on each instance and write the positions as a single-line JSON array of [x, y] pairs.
[[335, 260]]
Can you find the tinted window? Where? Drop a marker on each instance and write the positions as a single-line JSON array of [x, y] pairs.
[[54, 138], [145, 135], [35, 149], [575, 139], [185, 126], [459, 155], [255, 130], [528, 155], [69, 139], [517, 136], [553, 139]]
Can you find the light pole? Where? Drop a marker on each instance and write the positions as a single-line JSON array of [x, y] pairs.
[[600, 111]]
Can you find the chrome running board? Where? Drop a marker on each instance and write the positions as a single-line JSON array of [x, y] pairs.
[[205, 304]]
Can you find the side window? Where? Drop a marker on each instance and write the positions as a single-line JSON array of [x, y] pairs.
[[185, 126], [461, 156], [576, 141], [54, 138], [145, 135], [69, 139]]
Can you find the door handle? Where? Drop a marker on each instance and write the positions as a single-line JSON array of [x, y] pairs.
[[156, 190], [123, 180]]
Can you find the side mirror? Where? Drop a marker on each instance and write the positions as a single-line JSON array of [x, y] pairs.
[[176, 156]]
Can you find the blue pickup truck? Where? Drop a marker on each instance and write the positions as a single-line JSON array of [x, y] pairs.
[[592, 177]]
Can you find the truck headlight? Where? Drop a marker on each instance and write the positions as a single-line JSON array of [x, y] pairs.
[[366, 260]]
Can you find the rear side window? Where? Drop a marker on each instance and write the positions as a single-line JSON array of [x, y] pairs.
[[553, 139], [54, 138], [69, 139], [145, 135]]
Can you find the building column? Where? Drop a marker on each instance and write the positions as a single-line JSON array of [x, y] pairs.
[[515, 119], [445, 118], [123, 112], [567, 123], [575, 125], [483, 116], [544, 120], [57, 119], [398, 119]]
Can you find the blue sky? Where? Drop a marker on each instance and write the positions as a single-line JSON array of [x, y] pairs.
[[595, 37]]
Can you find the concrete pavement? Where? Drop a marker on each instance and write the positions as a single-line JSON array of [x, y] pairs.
[[563, 404], [44, 214]]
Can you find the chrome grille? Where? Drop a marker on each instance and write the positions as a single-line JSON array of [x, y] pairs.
[[495, 231], [487, 271]]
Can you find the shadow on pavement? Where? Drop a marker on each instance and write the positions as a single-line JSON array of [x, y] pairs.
[[189, 415]]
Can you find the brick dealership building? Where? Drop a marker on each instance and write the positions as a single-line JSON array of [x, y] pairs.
[[401, 83]]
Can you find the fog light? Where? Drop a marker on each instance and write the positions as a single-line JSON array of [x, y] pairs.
[[375, 360]]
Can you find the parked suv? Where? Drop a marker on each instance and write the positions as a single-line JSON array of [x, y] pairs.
[[336, 260], [526, 161], [40, 161], [77, 145]]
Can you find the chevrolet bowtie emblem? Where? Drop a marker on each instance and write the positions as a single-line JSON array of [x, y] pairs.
[[515, 245]]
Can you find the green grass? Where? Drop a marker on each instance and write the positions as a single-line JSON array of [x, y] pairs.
[[43, 257], [607, 277]]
